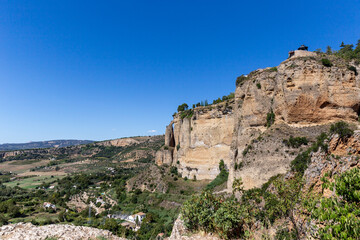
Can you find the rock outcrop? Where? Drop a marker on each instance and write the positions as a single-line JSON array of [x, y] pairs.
[[179, 232], [196, 144], [27, 231], [302, 96], [343, 154]]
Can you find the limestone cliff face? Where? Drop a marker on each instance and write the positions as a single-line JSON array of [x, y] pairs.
[[305, 97], [196, 144]]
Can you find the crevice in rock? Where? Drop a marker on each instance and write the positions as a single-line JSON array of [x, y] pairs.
[[356, 108], [325, 104], [172, 137]]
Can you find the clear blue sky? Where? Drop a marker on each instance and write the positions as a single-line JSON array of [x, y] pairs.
[[107, 69]]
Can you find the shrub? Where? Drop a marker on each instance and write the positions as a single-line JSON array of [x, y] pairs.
[[295, 142], [210, 213], [326, 62], [352, 68], [198, 212], [221, 165], [240, 80], [302, 160], [3, 220], [273, 69], [178, 147], [285, 234], [239, 165], [270, 118], [187, 114], [258, 85], [232, 219], [246, 150], [348, 185], [174, 170], [182, 107], [220, 179], [339, 217], [342, 129]]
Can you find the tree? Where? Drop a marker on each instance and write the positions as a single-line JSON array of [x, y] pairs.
[[287, 195], [232, 219], [326, 62], [237, 185], [221, 165], [3, 220], [328, 50], [14, 211], [342, 129], [339, 216], [357, 49], [182, 107]]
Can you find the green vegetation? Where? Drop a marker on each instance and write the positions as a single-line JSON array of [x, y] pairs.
[[273, 69], [302, 160], [232, 218], [270, 118], [247, 150], [339, 216], [346, 52], [187, 114], [221, 178], [326, 62], [258, 85], [182, 107], [211, 213], [352, 68], [240, 80], [342, 129], [295, 142], [224, 98], [32, 182]]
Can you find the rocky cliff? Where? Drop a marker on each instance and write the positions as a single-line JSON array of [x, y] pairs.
[[197, 142], [300, 97], [303, 96]]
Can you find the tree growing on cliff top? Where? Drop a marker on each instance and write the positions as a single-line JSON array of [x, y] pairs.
[[182, 107]]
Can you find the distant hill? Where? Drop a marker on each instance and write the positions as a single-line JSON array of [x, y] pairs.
[[42, 144]]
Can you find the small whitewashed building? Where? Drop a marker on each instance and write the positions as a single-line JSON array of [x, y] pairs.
[[100, 200], [137, 217], [48, 205]]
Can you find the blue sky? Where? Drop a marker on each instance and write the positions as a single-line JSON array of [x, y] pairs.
[[107, 69]]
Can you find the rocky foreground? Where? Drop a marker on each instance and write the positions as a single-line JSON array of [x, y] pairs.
[[28, 231]]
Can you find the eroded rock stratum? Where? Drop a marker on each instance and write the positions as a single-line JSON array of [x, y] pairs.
[[304, 96]]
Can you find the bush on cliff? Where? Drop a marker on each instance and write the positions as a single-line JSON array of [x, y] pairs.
[[326, 62], [240, 80], [270, 118], [295, 142], [342, 129], [302, 160], [182, 107], [339, 216], [210, 213]]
